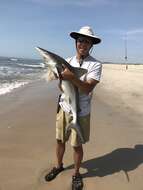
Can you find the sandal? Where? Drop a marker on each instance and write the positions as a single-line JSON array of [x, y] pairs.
[[77, 183], [53, 173]]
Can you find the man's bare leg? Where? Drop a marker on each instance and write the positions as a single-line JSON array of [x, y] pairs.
[[77, 183], [60, 150], [78, 156]]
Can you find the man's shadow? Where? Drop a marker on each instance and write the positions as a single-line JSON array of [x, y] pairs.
[[122, 159]]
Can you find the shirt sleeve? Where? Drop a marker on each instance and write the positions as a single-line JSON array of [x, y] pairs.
[[95, 72]]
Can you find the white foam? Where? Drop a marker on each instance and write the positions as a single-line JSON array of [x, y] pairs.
[[40, 65], [8, 87]]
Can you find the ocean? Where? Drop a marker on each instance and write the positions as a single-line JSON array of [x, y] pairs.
[[16, 72]]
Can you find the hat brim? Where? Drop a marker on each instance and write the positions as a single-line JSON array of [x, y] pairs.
[[94, 39]]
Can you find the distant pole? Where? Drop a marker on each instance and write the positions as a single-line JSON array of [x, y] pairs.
[[126, 56]]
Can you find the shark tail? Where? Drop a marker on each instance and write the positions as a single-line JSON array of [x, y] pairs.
[[77, 128]]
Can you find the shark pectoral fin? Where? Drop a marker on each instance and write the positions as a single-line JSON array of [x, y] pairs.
[[49, 75], [79, 71]]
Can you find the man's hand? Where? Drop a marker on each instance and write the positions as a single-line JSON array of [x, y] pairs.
[[67, 75]]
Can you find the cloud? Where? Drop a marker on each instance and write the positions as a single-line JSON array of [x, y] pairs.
[[132, 34], [80, 3], [83, 3], [135, 32]]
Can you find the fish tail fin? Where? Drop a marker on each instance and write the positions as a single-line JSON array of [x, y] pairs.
[[78, 130]]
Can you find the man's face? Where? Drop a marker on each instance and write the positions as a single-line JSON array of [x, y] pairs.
[[83, 45]]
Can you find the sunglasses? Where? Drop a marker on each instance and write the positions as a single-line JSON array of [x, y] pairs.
[[84, 40]]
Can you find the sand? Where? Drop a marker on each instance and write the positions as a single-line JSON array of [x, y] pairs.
[[113, 158]]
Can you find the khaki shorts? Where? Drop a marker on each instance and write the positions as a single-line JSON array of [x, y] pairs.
[[63, 119]]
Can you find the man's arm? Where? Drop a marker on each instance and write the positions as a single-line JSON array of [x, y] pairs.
[[84, 86]]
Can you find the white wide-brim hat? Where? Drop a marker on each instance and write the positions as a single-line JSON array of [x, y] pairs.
[[86, 31]]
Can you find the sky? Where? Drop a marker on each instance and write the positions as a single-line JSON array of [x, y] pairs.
[[25, 24]]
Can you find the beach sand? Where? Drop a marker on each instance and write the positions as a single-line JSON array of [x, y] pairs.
[[113, 158]]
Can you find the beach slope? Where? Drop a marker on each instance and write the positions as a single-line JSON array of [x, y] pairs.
[[113, 158]]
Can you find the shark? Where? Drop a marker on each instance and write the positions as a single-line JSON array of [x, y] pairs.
[[56, 64]]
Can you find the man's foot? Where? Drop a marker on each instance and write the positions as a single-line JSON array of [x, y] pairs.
[[53, 173], [77, 183]]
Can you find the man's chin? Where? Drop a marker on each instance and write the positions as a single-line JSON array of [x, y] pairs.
[[83, 53]]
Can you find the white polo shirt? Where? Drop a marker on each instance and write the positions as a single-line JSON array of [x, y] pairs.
[[94, 69]]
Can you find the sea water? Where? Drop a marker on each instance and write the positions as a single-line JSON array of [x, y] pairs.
[[16, 72]]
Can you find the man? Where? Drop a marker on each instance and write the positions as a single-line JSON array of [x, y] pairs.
[[84, 41]]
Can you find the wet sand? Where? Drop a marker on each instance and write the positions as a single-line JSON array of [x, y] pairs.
[[113, 158]]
